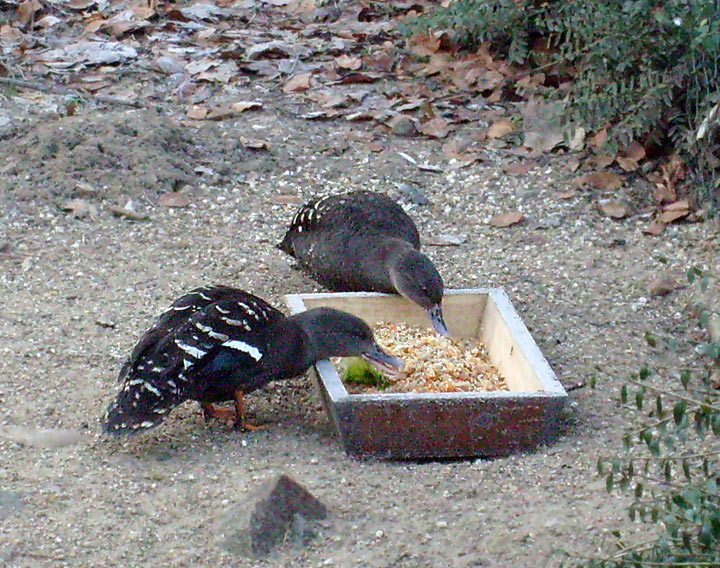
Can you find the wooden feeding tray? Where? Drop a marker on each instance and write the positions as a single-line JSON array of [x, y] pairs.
[[454, 424]]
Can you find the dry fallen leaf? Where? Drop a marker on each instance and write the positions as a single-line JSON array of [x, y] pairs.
[[602, 161], [674, 211], [517, 168], [242, 106], [655, 228], [599, 139], [423, 45], [506, 219], [26, 11], [80, 209], [681, 205], [173, 199], [198, 112], [663, 192], [613, 208], [356, 77], [565, 194], [634, 151], [670, 216], [435, 128], [602, 180], [627, 164], [501, 127], [297, 83], [348, 62]]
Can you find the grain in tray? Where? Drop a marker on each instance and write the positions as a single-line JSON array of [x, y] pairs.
[[434, 363]]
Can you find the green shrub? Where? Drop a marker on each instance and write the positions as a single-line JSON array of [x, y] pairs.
[[670, 459], [646, 70]]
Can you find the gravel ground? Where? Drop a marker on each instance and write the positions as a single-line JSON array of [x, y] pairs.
[[80, 290]]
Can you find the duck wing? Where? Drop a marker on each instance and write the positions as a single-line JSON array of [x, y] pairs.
[[180, 311], [170, 363], [349, 215]]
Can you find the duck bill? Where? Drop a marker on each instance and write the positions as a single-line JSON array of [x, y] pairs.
[[386, 364], [436, 317]]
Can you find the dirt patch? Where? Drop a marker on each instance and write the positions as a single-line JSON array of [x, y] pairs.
[[78, 292], [115, 155]]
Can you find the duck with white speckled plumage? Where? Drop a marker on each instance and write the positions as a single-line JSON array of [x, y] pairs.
[[364, 241], [217, 343]]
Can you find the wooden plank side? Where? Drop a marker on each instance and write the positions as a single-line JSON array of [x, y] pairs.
[[371, 307], [531, 352], [446, 425], [505, 352], [428, 429], [462, 311]]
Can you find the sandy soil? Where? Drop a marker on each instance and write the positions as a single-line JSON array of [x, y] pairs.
[[78, 291]]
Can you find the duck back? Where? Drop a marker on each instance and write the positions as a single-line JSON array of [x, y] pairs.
[[343, 240], [356, 214]]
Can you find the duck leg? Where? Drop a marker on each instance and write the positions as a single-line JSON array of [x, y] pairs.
[[230, 415], [240, 414], [226, 415]]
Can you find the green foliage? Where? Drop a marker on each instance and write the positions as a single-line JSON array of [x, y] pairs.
[[646, 70], [354, 370], [670, 461]]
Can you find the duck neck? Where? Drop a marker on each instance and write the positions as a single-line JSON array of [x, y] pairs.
[[312, 346], [296, 346], [399, 254]]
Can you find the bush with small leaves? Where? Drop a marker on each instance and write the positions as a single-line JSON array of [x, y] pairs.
[[646, 70], [670, 460]]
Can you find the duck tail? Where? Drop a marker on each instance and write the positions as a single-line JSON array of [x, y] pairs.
[[140, 405], [286, 245]]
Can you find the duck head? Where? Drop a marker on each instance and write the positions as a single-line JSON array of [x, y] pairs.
[[334, 333], [415, 277]]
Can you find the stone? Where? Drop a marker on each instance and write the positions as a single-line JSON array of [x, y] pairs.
[[281, 501], [283, 512]]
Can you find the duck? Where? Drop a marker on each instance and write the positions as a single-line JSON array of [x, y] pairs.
[[365, 241], [219, 343]]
